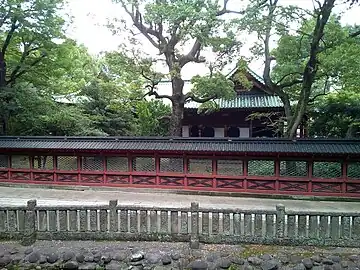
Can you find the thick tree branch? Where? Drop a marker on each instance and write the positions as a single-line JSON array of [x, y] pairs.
[[148, 32], [9, 35], [271, 87], [224, 10], [151, 86], [268, 58], [16, 75], [193, 55], [189, 96], [175, 36], [311, 100], [152, 92], [19, 65], [26, 52], [286, 75], [291, 83], [325, 90], [310, 70]]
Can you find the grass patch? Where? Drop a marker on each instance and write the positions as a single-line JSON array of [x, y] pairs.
[[258, 250]]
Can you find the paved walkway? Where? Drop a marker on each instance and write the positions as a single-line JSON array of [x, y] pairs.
[[52, 197]]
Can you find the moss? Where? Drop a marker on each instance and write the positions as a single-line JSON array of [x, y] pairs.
[[257, 250], [32, 267], [13, 267], [234, 267]]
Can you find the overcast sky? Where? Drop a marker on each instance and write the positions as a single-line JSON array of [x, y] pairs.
[[90, 17]]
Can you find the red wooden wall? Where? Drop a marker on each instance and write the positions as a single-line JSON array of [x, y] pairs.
[[319, 176]]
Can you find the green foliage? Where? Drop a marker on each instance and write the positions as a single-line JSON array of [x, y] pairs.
[[42, 61], [299, 54], [67, 68], [338, 61], [28, 33], [195, 18], [151, 117], [337, 115], [216, 85], [116, 104], [169, 26], [113, 116], [210, 88], [37, 114], [241, 75]]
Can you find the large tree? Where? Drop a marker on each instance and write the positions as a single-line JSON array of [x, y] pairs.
[[336, 115], [34, 112], [110, 113], [28, 30], [115, 99], [296, 81], [67, 68], [169, 26]]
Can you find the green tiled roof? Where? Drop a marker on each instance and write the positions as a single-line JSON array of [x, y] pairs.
[[244, 101]]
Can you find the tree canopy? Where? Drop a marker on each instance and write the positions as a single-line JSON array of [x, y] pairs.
[[336, 115], [172, 25], [302, 66], [311, 63]]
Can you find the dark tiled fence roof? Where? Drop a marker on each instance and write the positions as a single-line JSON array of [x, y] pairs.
[[253, 145]]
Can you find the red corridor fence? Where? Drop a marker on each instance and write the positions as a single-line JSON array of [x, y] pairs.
[[270, 166]]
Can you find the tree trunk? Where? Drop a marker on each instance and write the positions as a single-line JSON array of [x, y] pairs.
[[2, 70], [177, 107], [3, 118], [350, 132], [176, 119]]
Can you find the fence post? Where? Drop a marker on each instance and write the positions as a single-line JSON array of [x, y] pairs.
[[113, 216], [280, 221], [29, 236], [194, 236]]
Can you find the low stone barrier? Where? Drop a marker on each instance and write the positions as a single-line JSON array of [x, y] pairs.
[[193, 224]]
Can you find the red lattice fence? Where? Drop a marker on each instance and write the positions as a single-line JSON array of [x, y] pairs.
[[274, 175]]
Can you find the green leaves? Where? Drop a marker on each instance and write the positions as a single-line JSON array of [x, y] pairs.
[[207, 88], [29, 29], [67, 68], [337, 115], [34, 113], [152, 118], [215, 86], [338, 59]]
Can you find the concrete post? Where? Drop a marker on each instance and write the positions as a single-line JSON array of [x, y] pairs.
[[29, 236], [113, 216], [194, 237], [280, 221]]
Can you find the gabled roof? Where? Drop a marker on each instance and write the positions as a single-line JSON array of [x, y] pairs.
[[71, 98], [251, 72], [175, 144], [254, 98]]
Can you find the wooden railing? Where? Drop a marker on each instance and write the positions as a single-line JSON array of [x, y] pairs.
[[319, 176], [193, 224]]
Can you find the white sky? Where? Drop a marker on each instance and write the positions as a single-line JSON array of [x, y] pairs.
[[90, 18]]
